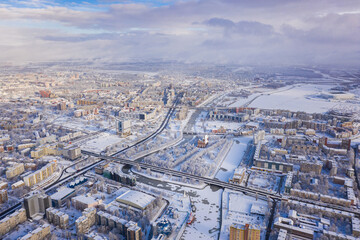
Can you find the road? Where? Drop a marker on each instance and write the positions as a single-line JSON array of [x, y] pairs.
[[247, 190], [207, 180], [158, 131], [61, 180]]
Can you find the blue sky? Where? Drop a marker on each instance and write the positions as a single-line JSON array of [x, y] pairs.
[[221, 31]]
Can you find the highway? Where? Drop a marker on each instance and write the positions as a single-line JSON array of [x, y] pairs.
[[222, 184], [207, 180]]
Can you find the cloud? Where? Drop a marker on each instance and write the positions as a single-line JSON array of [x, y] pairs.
[[242, 27], [234, 31]]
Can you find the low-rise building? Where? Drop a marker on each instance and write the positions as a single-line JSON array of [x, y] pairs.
[[57, 217], [238, 176], [18, 184], [11, 221], [84, 223], [15, 170], [59, 198], [272, 166], [247, 231], [41, 174], [3, 196], [38, 234], [81, 202]]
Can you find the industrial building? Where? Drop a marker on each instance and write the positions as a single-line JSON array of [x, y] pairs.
[[136, 199], [59, 198]]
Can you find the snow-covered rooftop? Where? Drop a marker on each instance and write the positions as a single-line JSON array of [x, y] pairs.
[[136, 199]]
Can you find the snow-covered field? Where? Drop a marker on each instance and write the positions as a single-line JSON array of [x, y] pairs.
[[264, 181], [214, 125], [81, 124], [207, 223], [241, 101], [102, 141], [233, 158], [299, 98], [200, 122], [236, 208]]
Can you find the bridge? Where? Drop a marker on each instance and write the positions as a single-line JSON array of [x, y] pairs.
[[215, 182]]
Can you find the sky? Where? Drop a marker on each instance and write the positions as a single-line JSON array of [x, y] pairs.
[[269, 32]]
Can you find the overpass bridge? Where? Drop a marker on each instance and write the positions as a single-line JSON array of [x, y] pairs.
[[247, 190]]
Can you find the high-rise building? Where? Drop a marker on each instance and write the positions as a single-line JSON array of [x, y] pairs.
[[123, 127], [36, 203], [244, 232]]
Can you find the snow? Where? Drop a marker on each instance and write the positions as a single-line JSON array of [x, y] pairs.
[[206, 224], [138, 199], [236, 208], [233, 159], [80, 124], [298, 98], [241, 101], [214, 125], [102, 141]]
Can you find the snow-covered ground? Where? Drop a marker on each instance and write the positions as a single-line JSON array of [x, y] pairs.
[[200, 122], [264, 180], [233, 158], [241, 101], [236, 208], [81, 124], [207, 223], [102, 141], [214, 125], [299, 98]]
